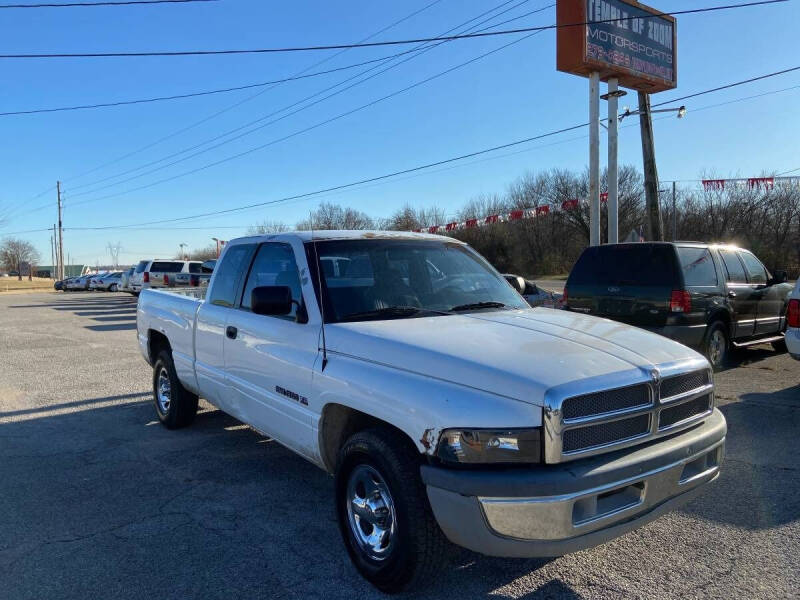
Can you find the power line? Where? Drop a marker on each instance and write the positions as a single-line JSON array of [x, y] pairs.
[[164, 53], [248, 98], [422, 48], [293, 134], [106, 3], [363, 181]]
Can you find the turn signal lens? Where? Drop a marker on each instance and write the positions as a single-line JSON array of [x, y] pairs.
[[793, 313], [146, 277]]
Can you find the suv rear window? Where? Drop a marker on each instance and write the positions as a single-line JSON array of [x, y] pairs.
[[166, 267], [142, 266], [195, 267], [698, 267], [625, 264]]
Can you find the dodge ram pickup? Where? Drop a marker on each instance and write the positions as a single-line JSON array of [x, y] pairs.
[[445, 407]]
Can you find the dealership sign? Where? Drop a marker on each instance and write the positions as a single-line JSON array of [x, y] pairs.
[[620, 39]]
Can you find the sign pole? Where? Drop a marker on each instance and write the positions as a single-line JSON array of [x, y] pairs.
[[613, 122], [594, 159]]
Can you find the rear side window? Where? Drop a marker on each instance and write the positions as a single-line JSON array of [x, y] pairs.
[[625, 264], [163, 266], [756, 272], [142, 266], [229, 274], [734, 267], [195, 268], [698, 267]]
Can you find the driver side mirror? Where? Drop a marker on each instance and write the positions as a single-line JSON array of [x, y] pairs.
[[778, 277], [517, 282], [271, 300]]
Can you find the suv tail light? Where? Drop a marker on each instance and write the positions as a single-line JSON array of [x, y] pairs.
[[564, 297], [166, 279], [793, 313], [146, 277], [194, 281], [680, 301]]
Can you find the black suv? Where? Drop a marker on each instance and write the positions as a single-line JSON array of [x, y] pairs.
[[708, 296]]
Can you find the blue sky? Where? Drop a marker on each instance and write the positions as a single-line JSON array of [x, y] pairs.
[[512, 94]]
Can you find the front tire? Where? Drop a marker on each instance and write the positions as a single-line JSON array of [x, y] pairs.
[[383, 511], [113, 287], [175, 405], [717, 345]]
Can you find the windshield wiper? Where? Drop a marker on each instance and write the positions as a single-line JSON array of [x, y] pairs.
[[397, 312], [477, 305]]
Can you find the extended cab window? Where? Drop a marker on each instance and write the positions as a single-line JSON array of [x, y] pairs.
[[230, 272], [698, 267], [734, 267], [274, 265], [756, 272]]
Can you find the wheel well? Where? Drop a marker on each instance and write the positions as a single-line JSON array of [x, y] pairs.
[[339, 422], [156, 342], [723, 317]]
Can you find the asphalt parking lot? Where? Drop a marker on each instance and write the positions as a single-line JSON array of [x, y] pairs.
[[97, 500]]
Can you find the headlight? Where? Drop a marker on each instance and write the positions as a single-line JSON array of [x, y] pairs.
[[480, 446]]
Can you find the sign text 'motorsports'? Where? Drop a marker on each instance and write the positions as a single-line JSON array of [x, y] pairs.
[[617, 38]]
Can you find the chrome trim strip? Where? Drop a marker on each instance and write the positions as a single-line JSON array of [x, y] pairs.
[[690, 395]]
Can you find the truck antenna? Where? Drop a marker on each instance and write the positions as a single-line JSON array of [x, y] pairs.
[[321, 299]]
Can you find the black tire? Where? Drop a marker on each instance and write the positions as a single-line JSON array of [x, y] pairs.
[[717, 345], [181, 406], [417, 545], [113, 287]]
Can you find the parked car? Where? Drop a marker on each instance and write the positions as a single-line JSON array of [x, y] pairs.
[[94, 280], [533, 294], [793, 322], [195, 273], [124, 280], [108, 282], [79, 283], [444, 405], [59, 285], [709, 296], [157, 273]]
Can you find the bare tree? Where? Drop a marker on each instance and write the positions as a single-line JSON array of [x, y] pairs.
[[267, 226], [17, 255], [334, 216]]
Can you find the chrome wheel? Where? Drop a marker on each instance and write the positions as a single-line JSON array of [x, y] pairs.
[[370, 512], [716, 347], [164, 391]]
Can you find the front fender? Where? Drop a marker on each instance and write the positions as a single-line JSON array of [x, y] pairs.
[[419, 406]]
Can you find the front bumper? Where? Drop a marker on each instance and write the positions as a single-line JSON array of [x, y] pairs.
[[557, 509]]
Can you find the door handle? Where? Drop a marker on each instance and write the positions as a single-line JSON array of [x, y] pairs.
[[731, 294], [231, 332]]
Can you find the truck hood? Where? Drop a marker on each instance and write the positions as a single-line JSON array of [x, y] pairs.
[[519, 354]]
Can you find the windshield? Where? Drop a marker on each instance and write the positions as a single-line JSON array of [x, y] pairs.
[[391, 279]]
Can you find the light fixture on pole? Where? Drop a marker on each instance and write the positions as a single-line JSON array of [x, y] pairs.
[[681, 110]]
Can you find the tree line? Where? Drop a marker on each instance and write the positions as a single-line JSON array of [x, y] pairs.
[[766, 221]]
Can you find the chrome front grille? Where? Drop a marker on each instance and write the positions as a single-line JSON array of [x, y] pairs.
[[606, 401], [592, 421], [680, 384], [593, 436]]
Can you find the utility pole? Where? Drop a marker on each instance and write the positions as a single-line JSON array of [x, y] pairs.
[[594, 159], [655, 227], [60, 234], [614, 93], [674, 215], [53, 253]]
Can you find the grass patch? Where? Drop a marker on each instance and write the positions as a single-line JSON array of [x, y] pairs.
[[12, 284]]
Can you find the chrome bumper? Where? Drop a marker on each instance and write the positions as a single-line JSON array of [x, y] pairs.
[[575, 506]]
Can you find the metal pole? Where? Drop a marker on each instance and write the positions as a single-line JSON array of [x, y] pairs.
[[53, 254], [594, 159], [674, 215], [613, 122], [655, 226], [60, 234]]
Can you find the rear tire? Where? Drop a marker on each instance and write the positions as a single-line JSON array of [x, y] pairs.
[[113, 287], [175, 405], [717, 345], [379, 489]]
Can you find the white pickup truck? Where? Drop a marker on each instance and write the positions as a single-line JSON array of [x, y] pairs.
[[444, 406]]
